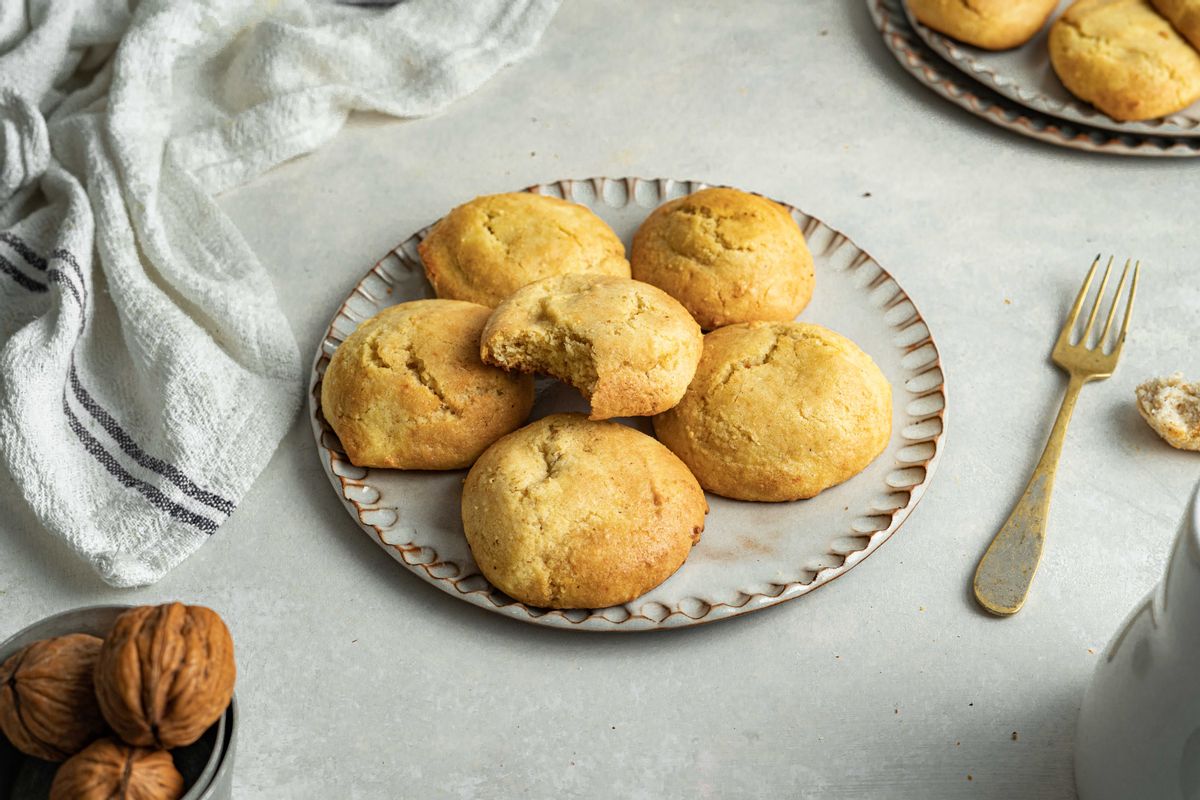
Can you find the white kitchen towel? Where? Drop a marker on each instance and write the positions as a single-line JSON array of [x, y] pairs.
[[146, 370]]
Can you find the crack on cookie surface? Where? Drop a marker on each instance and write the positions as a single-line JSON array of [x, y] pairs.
[[415, 364], [1143, 53], [719, 237]]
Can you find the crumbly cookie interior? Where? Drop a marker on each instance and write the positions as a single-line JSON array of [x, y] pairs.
[[1172, 408], [555, 351]]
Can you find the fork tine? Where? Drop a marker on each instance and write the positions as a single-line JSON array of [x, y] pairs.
[[1137, 268], [1073, 317], [1112, 310], [1091, 320]]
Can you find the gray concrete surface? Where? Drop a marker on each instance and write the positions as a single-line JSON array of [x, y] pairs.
[[358, 680]]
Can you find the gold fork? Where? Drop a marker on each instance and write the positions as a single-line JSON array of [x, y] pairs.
[[1006, 570]]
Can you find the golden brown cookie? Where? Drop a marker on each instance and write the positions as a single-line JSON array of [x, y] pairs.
[[728, 256], [627, 346], [407, 389], [1171, 407], [779, 411], [573, 513], [486, 249], [990, 24], [1125, 59], [1184, 15]]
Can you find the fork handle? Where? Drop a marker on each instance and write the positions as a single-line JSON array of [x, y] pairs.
[[1006, 570]]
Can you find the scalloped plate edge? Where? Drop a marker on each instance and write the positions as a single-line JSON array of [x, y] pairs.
[[473, 588]]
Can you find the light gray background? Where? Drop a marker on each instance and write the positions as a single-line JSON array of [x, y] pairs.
[[358, 680]]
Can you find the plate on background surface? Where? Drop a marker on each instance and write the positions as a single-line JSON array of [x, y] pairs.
[[1024, 75], [751, 555], [937, 74]]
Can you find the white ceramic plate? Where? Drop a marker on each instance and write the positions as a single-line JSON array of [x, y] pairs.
[[1025, 76], [937, 74], [751, 555]]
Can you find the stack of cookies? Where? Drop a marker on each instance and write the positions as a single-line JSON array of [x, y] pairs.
[[575, 511], [1132, 59]]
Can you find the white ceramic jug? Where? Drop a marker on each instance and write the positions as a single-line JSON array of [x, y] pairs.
[[1139, 727]]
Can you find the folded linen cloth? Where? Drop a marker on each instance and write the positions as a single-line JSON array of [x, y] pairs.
[[146, 370]]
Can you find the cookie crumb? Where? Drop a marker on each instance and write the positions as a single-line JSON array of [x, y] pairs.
[[1171, 407]]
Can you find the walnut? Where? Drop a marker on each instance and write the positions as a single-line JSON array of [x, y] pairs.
[[48, 704], [165, 674], [109, 770]]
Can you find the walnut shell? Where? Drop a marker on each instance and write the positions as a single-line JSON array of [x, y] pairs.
[[109, 770], [165, 674], [48, 704]]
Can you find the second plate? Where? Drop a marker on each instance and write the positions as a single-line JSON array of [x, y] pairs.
[[1024, 75]]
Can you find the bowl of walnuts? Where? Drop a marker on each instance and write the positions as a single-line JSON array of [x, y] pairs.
[[118, 703]]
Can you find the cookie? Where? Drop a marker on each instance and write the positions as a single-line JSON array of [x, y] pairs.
[[990, 24], [573, 513], [1184, 15], [486, 249], [627, 346], [1172, 408], [779, 411], [407, 389], [728, 256], [1125, 59]]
